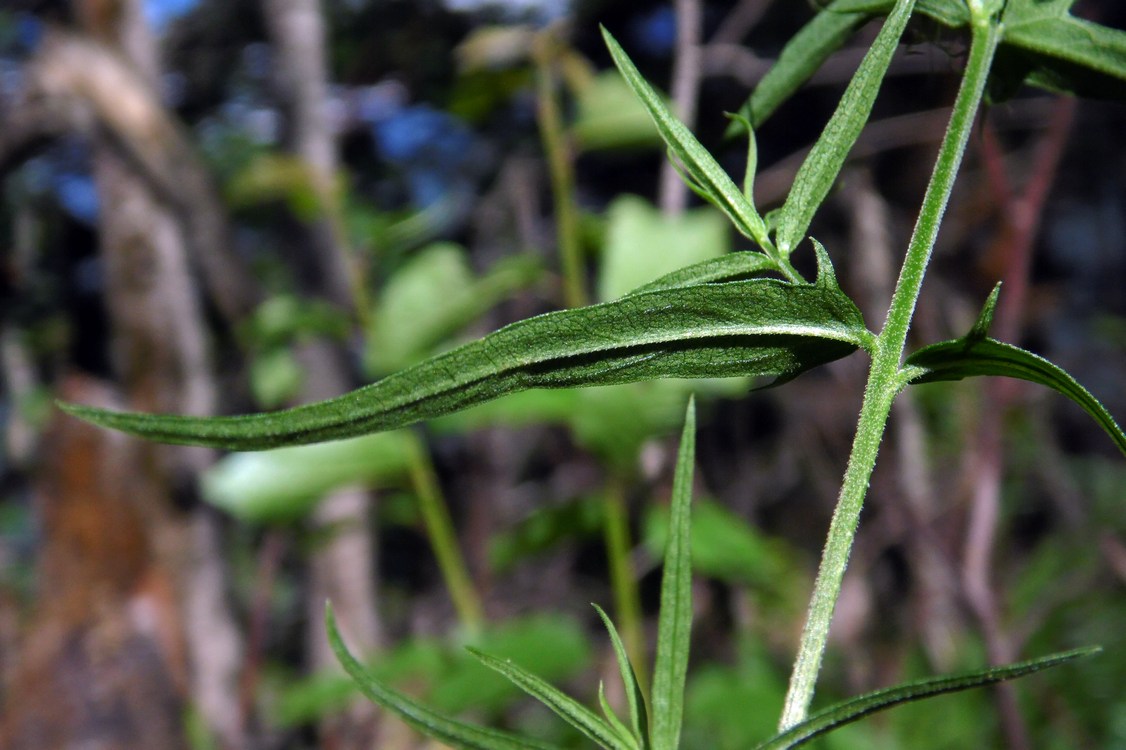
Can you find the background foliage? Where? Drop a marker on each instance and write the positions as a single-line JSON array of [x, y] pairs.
[[481, 149]]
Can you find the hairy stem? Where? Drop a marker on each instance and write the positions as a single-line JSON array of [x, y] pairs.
[[884, 378]]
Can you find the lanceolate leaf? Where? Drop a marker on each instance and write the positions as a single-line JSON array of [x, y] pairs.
[[857, 708], [740, 328], [573, 712], [820, 169], [675, 622], [699, 165], [448, 731]]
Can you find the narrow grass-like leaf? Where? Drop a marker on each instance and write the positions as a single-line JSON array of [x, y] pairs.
[[570, 710], [451, 732], [635, 697], [962, 358], [740, 328], [674, 625], [613, 720], [700, 166], [819, 170], [857, 708], [730, 267], [800, 58]]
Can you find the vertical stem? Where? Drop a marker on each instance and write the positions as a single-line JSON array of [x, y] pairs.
[[884, 378], [627, 602], [443, 540], [562, 174]]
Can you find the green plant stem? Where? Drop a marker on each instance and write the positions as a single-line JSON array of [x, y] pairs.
[[627, 601], [562, 176], [443, 540], [885, 378]]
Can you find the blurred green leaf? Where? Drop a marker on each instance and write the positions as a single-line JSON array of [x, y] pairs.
[[284, 484], [1045, 46], [726, 547], [740, 328], [610, 117], [275, 377], [642, 244], [432, 296]]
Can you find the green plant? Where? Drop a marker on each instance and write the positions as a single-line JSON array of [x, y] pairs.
[[726, 317]]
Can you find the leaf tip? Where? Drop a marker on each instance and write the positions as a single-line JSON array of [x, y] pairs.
[[985, 318]]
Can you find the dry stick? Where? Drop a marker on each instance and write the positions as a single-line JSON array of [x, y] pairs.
[[1021, 224], [673, 197]]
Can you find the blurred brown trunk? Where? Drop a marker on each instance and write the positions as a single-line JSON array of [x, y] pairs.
[[343, 569], [154, 195]]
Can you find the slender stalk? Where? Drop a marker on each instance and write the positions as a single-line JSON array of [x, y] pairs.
[[443, 540], [627, 600], [885, 378], [562, 174]]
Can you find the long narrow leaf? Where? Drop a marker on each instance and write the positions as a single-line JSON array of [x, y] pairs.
[[700, 166], [857, 708], [451, 732], [674, 625], [800, 58], [570, 710], [612, 719], [741, 328], [634, 695], [819, 170]]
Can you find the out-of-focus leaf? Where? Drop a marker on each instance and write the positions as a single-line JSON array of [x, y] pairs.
[[820, 169], [1045, 46], [725, 546], [976, 354], [275, 377], [699, 165], [642, 244], [861, 706], [454, 733], [432, 296], [759, 327], [674, 623], [284, 484], [610, 117], [276, 177]]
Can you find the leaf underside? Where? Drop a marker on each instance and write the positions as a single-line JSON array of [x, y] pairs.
[[756, 327]]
